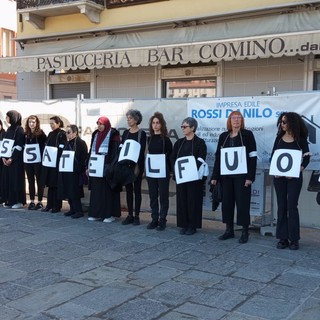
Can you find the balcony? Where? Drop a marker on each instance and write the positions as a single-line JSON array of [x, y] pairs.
[[36, 11]]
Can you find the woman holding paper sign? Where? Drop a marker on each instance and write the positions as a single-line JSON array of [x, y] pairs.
[[35, 140], [104, 200], [71, 172], [159, 152], [2, 134], [188, 155], [55, 143], [13, 178], [236, 175], [133, 190], [292, 135]]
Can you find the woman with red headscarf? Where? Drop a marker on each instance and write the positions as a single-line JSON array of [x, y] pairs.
[[104, 201]]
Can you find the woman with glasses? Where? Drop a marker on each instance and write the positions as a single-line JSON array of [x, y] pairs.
[[13, 177], [35, 140], [236, 169], [55, 143], [104, 200], [292, 135], [189, 150], [71, 172]]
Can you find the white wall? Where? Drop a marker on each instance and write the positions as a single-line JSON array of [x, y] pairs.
[[8, 17]]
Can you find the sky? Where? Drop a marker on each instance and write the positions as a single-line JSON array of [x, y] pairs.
[[8, 17]]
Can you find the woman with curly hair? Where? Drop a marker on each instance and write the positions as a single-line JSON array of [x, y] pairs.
[[35, 140], [292, 134]]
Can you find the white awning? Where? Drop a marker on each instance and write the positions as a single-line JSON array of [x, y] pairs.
[[272, 36]]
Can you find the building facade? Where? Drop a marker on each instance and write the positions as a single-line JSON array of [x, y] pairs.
[[148, 49], [8, 27]]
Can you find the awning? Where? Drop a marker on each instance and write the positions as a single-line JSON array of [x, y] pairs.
[[272, 36]]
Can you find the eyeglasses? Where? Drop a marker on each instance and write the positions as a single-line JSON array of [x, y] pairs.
[[183, 127], [283, 122], [236, 117], [68, 132]]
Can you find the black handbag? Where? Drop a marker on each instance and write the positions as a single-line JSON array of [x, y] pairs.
[[216, 195], [314, 184]]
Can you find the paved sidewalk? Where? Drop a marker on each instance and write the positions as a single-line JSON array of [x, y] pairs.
[[55, 267]]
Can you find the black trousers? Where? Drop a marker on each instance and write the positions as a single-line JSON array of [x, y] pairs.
[[33, 172], [134, 188], [159, 197], [235, 194], [75, 205], [288, 192]]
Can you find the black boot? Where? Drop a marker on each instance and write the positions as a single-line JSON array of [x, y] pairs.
[[244, 235], [228, 234]]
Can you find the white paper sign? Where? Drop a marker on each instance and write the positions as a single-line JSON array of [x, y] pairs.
[[286, 163], [130, 151], [96, 165], [233, 160], [66, 161], [185, 169], [6, 148], [156, 165], [49, 158], [31, 153]]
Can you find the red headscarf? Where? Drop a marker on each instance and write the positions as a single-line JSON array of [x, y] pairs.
[[102, 134]]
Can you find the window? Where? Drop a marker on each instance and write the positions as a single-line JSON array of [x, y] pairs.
[[316, 80]]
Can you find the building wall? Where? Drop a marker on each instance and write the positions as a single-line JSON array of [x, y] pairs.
[[127, 83], [31, 85], [257, 77]]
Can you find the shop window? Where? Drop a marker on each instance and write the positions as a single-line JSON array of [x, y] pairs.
[[316, 81]]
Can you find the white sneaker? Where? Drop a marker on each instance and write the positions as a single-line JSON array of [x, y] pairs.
[[17, 206], [109, 220], [93, 219]]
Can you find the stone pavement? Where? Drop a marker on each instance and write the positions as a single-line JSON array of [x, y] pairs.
[[55, 267]]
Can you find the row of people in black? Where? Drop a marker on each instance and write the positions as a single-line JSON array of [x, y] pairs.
[[105, 196]]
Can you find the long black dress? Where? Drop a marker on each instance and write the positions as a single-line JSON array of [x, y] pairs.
[[12, 177], [70, 184], [105, 201]]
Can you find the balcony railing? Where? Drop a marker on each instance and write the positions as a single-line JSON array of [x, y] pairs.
[[24, 4]]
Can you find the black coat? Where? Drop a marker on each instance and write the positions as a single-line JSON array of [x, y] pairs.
[[70, 184]]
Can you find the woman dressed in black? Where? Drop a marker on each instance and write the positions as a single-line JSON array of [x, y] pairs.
[[2, 134], [35, 139], [159, 144], [189, 194], [56, 139], [292, 134], [133, 190], [236, 188], [13, 179], [104, 201], [71, 180]]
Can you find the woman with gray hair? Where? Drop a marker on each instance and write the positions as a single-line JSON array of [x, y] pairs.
[[189, 196], [134, 118]]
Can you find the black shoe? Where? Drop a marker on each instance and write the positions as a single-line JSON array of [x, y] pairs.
[[162, 224], [77, 215], [153, 224], [69, 213], [136, 221], [190, 231], [39, 205], [183, 231], [227, 235], [244, 236], [127, 220], [46, 209], [32, 206], [294, 245], [55, 210], [282, 244]]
